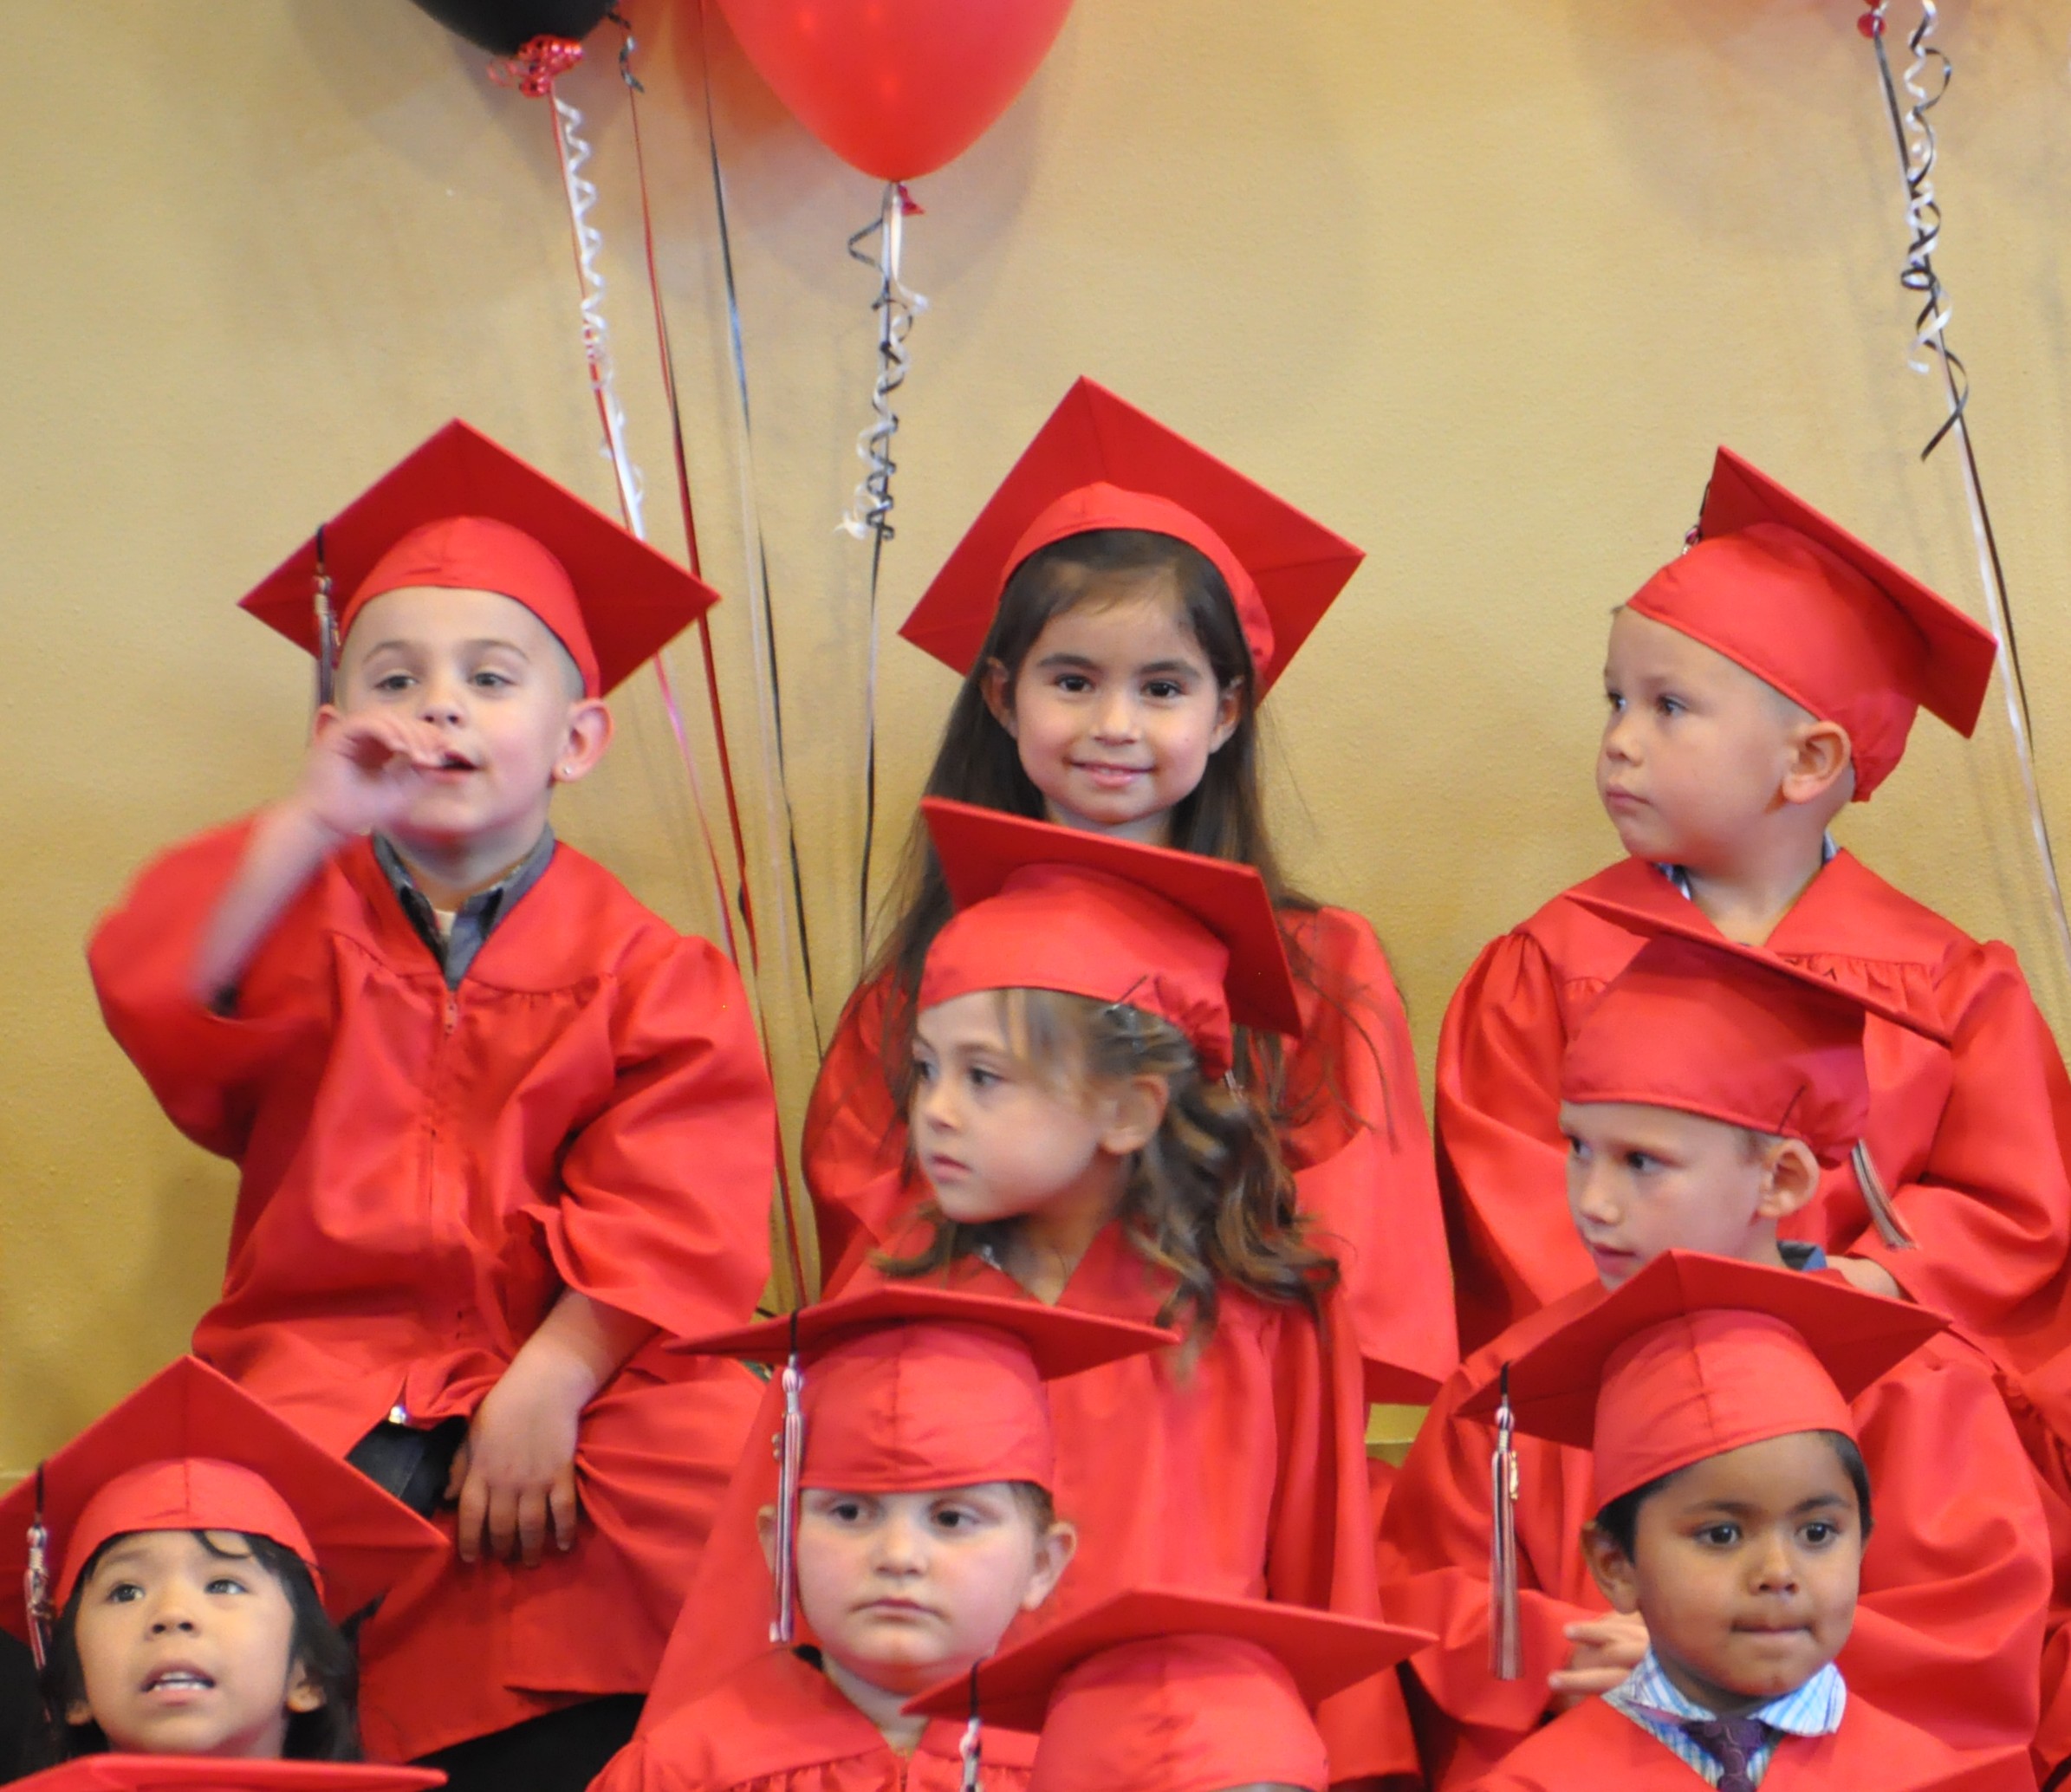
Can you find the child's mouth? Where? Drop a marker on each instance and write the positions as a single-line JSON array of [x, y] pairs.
[[179, 1680]]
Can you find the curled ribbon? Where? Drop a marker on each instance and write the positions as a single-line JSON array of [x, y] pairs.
[[1914, 133]]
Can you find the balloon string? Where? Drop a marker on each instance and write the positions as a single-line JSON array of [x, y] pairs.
[[743, 895], [870, 511], [781, 822], [1913, 134]]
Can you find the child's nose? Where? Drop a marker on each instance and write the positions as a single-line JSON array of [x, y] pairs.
[[1593, 1190], [171, 1611], [1775, 1565], [1116, 718], [441, 701], [900, 1545]]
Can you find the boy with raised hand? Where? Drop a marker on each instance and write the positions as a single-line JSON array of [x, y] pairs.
[[1758, 685], [913, 1522], [1732, 1508], [502, 1133], [1703, 1096]]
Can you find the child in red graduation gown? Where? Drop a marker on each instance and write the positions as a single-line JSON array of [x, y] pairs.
[[924, 1525], [1161, 1691], [1118, 609], [181, 1568], [1073, 1118], [1732, 1510], [1705, 1093], [1756, 685], [502, 1132], [161, 1773]]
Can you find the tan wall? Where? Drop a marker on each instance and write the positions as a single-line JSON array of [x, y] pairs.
[[1479, 283]]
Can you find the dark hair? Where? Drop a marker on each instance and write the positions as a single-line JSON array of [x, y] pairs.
[[1208, 1199], [1618, 1521], [1034, 1500], [331, 1733], [978, 762]]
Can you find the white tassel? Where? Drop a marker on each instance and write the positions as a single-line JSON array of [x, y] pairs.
[[1506, 1647]]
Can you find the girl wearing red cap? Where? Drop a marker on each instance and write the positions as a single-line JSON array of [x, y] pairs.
[[1758, 685], [1073, 1121], [1118, 609]]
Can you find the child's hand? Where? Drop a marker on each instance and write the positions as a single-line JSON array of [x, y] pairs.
[[362, 771], [1869, 1275], [515, 1474], [1606, 1649]]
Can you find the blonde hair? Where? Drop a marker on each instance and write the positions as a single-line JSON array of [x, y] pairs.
[[1208, 1199]]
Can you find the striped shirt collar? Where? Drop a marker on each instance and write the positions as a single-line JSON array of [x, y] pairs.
[[1652, 1701]]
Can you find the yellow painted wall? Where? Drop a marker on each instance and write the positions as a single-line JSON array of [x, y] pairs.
[[1480, 283]]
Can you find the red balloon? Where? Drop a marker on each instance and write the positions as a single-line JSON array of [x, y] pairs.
[[896, 87]]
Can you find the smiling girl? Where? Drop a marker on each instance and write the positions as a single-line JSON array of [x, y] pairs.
[[1118, 609], [200, 1555]]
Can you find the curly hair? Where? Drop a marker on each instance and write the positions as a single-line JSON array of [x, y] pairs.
[[331, 1733], [1208, 1199]]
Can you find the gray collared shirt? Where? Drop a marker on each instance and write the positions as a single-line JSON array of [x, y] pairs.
[[476, 918]]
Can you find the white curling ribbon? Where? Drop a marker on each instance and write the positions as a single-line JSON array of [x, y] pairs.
[[1913, 134], [582, 193], [897, 306]]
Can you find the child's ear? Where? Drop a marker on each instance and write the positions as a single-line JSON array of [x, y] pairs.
[[1821, 756], [588, 734], [78, 1712], [1612, 1570], [765, 1529], [1054, 1551], [304, 1695], [1790, 1178], [999, 696], [1135, 1111], [1229, 711]]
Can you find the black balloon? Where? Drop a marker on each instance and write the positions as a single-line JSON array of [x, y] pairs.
[[505, 27]]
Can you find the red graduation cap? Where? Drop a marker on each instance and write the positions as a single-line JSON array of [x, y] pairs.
[[1098, 463], [192, 1450], [208, 1773], [1192, 940], [1696, 1355], [1162, 1691], [910, 1387], [1729, 1036], [1830, 622], [464, 513], [914, 1388]]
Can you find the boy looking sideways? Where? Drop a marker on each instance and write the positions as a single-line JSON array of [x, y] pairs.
[[921, 1527], [1757, 686], [502, 1133], [1733, 1508], [1705, 1094]]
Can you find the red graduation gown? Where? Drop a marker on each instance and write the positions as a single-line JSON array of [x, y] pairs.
[[1244, 1476], [1593, 1747], [1955, 1583], [1970, 1139], [422, 1172], [781, 1725], [1358, 1145]]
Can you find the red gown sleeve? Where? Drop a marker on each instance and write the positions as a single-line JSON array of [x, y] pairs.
[[207, 1069], [854, 1134], [1362, 1159], [1502, 1160], [665, 1207], [1990, 1209], [1956, 1581]]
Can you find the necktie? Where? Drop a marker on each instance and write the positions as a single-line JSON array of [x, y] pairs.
[[1731, 1741]]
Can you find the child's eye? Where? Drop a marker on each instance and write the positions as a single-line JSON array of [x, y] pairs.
[[1669, 705], [955, 1519], [1073, 684], [1576, 1149], [124, 1593], [227, 1583], [491, 680], [1615, 699], [1722, 1535], [1163, 690], [1640, 1162], [393, 682], [923, 1070], [1821, 1532], [980, 1078]]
